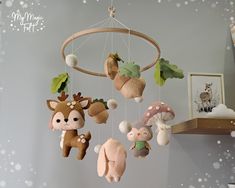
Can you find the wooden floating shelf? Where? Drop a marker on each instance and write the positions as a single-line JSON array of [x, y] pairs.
[[213, 126]]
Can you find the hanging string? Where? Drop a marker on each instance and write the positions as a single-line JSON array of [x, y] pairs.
[[101, 59], [101, 24], [71, 71], [129, 57], [129, 45], [112, 92]]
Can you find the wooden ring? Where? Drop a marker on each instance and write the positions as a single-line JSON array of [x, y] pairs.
[[115, 30]]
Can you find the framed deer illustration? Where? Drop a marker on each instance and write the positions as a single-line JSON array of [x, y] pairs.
[[206, 91]]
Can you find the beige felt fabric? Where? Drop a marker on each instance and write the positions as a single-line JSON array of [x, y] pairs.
[[111, 67], [73, 140], [98, 112], [133, 88], [111, 161]]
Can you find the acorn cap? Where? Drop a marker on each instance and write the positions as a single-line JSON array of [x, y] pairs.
[[96, 108]]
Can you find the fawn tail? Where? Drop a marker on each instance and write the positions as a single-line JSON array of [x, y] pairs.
[[88, 136]]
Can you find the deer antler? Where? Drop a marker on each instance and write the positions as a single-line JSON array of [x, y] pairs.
[[77, 97], [63, 96]]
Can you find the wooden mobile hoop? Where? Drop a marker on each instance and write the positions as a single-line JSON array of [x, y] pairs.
[[110, 30]]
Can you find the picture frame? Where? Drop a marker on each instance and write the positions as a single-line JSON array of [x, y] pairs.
[[205, 91], [232, 29]]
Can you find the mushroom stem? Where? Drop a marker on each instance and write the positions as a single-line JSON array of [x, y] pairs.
[[161, 124], [162, 132]]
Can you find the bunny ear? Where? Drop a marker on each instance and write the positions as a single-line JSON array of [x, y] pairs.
[[120, 161], [102, 162]]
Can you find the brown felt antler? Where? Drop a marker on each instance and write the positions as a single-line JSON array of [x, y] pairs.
[[63, 96], [77, 97]]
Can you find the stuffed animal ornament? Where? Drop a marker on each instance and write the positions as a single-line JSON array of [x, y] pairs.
[[98, 110], [158, 114], [130, 87], [139, 134], [68, 116], [111, 161]]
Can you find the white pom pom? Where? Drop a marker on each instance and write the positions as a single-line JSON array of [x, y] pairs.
[[125, 127], [97, 148], [139, 99], [71, 60], [112, 104], [233, 134]]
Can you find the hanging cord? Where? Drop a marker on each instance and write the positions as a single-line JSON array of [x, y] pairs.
[[112, 91], [101, 59], [71, 71], [101, 24], [112, 11]]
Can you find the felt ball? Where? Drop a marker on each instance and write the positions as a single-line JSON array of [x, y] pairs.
[[233, 134], [125, 127], [97, 148], [112, 104], [139, 99], [71, 60]]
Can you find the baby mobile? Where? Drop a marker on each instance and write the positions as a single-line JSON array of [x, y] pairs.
[[69, 115]]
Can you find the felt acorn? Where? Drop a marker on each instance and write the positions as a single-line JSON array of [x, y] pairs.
[[126, 77], [98, 111], [129, 87], [111, 65]]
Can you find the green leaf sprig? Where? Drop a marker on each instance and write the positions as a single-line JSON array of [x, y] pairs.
[[165, 70], [60, 83], [130, 69]]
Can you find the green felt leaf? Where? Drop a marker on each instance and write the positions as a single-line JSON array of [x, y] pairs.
[[164, 70], [60, 83], [159, 79], [130, 69]]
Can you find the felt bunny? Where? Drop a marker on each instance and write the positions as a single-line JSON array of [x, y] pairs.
[[111, 160]]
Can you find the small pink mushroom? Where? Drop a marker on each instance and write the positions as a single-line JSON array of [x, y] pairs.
[[158, 111], [157, 114]]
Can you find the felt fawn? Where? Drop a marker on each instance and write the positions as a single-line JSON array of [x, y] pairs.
[[68, 116]]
